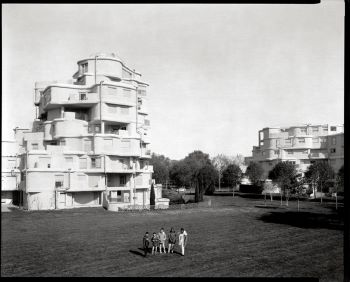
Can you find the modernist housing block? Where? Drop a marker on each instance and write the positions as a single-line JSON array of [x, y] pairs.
[[301, 145], [89, 145]]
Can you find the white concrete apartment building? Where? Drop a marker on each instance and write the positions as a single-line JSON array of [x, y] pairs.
[[10, 173], [89, 145], [302, 145]]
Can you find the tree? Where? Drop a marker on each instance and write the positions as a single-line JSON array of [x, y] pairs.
[[255, 172], [339, 184], [268, 187], [152, 197], [195, 170], [285, 175], [180, 173], [195, 161], [237, 160], [161, 166], [318, 174], [220, 162], [206, 179], [232, 175], [298, 189], [340, 179]]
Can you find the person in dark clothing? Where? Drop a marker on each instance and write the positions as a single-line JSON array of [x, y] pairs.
[[146, 243], [155, 241], [171, 240]]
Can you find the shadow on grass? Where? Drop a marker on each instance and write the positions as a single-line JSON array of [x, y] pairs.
[[137, 253], [305, 219], [266, 207]]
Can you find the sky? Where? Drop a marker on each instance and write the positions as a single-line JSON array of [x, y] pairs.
[[218, 73]]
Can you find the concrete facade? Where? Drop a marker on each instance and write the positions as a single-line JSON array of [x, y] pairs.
[[302, 145], [89, 145]]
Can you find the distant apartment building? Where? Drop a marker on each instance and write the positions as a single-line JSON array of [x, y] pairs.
[[89, 145], [301, 145]]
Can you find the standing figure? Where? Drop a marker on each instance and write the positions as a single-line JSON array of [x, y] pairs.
[[183, 240], [145, 243], [162, 238], [155, 243], [172, 240]]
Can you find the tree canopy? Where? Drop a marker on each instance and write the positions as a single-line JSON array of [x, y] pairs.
[[255, 172], [232, 175], [161, 167], [195, 170], [319, 173], [285, 175]]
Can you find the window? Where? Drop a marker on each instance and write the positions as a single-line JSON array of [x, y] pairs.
[[82, 96], [115, 196], [89, 129], [263, 152], [277, 152], [11, 164], [333, 128], [301, 140], [334, 141], [84, 67], [287, 141], [325, 128], [63, 142], [126, 197], [95, 162], [278, 142], [303, 130], [290, 152], [122, 180], [59, 180], [23, 176], [83, 163], [332, 150], [97, 128], [35, 146], [315, 140], [315, 129]]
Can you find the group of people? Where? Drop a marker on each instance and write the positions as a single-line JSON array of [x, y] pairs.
[[159, 240]]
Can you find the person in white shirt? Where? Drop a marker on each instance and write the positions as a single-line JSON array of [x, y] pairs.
[[182, 240], [162, 238]]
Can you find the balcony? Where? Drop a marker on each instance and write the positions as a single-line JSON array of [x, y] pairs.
[[146, 154], [55, 96], [117, 99], [319, 155]]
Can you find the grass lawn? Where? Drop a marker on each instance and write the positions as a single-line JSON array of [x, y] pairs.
[[238, 237]]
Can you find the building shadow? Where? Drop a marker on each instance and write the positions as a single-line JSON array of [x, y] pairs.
[[305, 219]]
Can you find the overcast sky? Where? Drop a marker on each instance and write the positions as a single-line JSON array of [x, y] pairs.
[[217, 73]]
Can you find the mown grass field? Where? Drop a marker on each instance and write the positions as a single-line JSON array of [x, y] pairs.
[[239, 237]]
